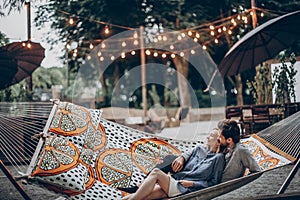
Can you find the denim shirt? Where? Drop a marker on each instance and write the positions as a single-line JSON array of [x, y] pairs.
[[202, 167]]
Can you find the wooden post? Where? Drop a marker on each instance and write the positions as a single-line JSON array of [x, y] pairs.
[[254, 17], [29, 39], [143, 71]]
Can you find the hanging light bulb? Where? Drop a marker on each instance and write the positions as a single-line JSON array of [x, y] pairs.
[[204, 47], [135, 42], [219, 30], [112, 57], [71, 21], [28, 45], [173, 55], [179, 37], [23, 44], [159, 37], [190, 33], [171, 46], [135, 35], [99, 53], [101, 58], [165, 38], [224, 28], [103, 45], [163, 55], [133, 53], [67, 46], [182, 34], [88, 57], [212, 33], [91, 46], [155, 54], [123, 44], [262, 14], [229, 32], [123, 55], [211, 27], [251, 13], [193, 51], [216, 41], [148, 53], [197, 35], [106, 30], [181, 54], [195, 40]]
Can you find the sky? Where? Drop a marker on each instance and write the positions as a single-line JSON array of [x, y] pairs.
[[14, 27]]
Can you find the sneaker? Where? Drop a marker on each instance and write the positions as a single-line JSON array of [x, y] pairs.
[[130, 190]]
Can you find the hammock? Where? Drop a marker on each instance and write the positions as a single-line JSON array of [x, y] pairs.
[[84, 156]]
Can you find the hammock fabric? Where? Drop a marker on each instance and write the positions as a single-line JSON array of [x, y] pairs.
[[85, 156]]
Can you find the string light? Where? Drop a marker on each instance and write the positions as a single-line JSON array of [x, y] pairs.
[[213, 26], [99, 53], [112, 57], [101, 58]]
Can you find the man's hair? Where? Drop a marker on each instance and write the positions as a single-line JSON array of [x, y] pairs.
[[230, 129]]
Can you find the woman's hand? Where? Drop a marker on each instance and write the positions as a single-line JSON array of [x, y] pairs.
[[177, 164], [186, 183]]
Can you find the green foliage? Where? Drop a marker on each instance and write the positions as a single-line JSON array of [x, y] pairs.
[[284, 79], [261, 87]]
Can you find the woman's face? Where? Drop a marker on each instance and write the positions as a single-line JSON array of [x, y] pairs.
[[212, 138]]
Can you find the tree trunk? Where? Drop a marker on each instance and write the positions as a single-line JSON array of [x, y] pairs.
[[239, 87], [182, 74]]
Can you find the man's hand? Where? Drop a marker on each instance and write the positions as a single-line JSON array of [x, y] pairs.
[[177, 164], [186, 183]]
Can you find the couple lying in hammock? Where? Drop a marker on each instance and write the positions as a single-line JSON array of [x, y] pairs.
[[223, 159]]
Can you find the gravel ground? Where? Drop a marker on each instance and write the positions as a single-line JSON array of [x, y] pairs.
[[269, 183]]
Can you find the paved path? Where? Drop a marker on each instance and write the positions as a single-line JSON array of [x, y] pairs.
[[189, 131]]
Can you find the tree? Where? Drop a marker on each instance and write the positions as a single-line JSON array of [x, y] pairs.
[[284, 80]]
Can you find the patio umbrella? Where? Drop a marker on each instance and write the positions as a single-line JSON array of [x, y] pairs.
[[26, 58], [8, 68], [262, 43]]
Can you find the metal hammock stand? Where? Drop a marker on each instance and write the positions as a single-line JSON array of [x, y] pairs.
[[19, 122]]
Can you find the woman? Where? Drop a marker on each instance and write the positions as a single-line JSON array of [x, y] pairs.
[[197, 169]]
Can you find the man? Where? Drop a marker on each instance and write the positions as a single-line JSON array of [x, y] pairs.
[[237, 157]]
